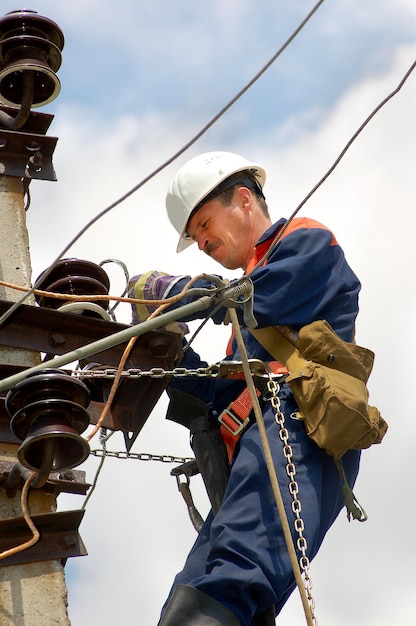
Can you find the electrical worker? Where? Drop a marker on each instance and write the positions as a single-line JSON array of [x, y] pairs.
[[238, 572]]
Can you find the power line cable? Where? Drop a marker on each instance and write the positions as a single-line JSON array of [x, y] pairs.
[[170, 160], [333, 166]]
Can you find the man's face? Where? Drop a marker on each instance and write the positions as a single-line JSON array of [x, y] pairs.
[[222, 232]]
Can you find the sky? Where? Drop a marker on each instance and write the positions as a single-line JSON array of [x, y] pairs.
[[139, 81]]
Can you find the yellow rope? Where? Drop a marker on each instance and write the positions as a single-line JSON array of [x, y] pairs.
[[270, 467], [28, 520], [99, 297], [164, 304]]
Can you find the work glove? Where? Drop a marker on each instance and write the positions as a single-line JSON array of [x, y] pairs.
[[152, 285]]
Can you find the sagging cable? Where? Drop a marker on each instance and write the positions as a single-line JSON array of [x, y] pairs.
[[76, 298], [166, 163], [333, 166]]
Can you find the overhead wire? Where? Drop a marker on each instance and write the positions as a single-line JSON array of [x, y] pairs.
[[232, 312], [164, 303], [333, 166], [104, 437], [28, 291], [170, 160]]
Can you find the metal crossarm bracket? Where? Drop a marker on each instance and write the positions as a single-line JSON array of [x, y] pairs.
[[28, 153], [59, 537]]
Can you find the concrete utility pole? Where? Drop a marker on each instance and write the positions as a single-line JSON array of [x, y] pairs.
[[31, 594], [43, 415], [32, 589]]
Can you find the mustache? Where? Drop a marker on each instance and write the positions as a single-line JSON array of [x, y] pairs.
[[210, 247]]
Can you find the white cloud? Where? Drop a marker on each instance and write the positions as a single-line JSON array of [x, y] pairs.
[[136, 527], [368, 202]]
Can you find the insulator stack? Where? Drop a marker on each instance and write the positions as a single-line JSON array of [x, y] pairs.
[[29, 43], [75, 277], [48, 414]]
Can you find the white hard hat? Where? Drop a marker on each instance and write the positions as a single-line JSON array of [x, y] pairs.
[[196, 179]]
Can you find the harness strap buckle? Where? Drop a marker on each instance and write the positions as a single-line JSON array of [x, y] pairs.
[[236, 417], [232, 422]]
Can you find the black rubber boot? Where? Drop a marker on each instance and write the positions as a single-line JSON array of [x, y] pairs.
[[190, 607]]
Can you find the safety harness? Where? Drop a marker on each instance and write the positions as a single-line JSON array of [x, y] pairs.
[[238, 415]]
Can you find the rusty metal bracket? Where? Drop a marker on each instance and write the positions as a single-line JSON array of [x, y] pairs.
[[59, 537], [27, 152], [37, 122], [55, 333], [26, 155], [69, 481]]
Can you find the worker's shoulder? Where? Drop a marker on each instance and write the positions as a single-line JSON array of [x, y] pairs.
[[308, 223]]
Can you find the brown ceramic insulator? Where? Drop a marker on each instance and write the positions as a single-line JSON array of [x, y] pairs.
[[75, 277], [32, 43], [48, 413]]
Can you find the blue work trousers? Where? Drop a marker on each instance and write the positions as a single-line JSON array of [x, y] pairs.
[[240, 557]]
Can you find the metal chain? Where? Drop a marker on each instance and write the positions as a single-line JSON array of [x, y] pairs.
[[223, 369], [154, 372], [101, 372], [304, 563], [140, 456], [218, 370]]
